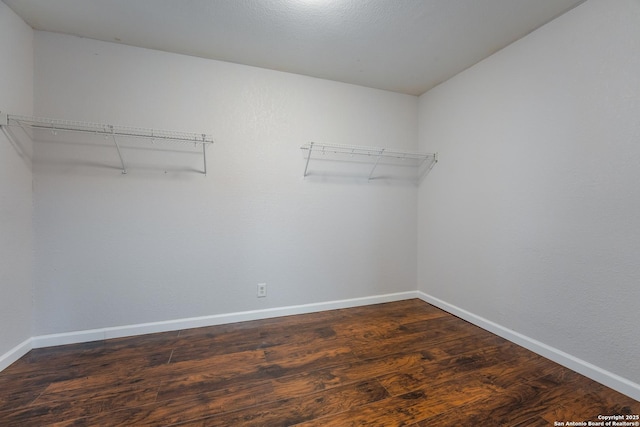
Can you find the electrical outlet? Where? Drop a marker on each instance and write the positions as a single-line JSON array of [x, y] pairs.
[[262, 290]]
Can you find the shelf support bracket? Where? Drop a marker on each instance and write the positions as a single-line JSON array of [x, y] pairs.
[[375, 164], [115, 141], [308, 158], [204, 154]]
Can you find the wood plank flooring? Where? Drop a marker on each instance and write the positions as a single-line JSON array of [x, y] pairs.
[[405, 363]]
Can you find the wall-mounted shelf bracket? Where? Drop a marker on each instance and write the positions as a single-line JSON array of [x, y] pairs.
[[357, 154], [115, 141], [306, 166], [375, 165], [108, 131]]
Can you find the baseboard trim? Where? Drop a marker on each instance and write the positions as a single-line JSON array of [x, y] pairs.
[[15, 353], [217, 319], [587, 369]]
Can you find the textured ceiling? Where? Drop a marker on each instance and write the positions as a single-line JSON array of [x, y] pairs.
[[405, 46]]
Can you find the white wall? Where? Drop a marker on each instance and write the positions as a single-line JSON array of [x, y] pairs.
[[16, 242], [531, 217], [149, 246]]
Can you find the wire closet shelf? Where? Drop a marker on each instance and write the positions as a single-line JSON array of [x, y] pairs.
[[363, 154], [108, 130]]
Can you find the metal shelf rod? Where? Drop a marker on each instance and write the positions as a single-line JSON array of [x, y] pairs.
[[107, 130], [364, 153]]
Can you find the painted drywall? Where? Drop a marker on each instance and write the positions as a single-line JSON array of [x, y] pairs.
[[531, 217], [16, 241], [165, 242]]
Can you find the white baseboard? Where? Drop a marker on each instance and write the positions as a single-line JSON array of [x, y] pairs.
[[15, 353], [587, 369], [217, 319]]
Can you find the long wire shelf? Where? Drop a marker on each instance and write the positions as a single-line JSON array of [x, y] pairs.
[[108, 130], [362, 154]]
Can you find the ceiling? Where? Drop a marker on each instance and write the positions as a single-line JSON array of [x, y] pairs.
[[405, 46]]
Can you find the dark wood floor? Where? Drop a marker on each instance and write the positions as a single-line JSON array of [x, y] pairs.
[[404, 363]]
